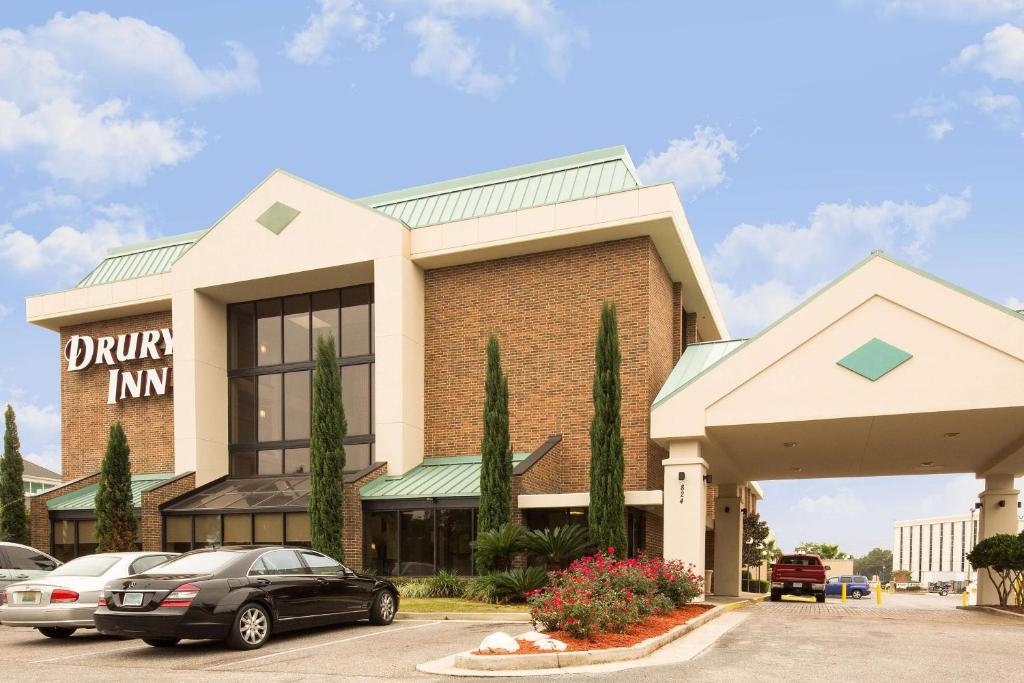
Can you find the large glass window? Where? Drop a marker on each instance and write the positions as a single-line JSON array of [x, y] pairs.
[[403, 542], [380, 542], [416, 542], [178, 532], [73, 538], [270, 356], [188, 532], [454, 541]]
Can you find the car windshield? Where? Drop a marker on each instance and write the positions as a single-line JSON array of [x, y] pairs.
[[90, 565], [800, 560], [199, 563]]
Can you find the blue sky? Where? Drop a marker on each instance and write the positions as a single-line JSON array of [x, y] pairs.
[[800, 136]]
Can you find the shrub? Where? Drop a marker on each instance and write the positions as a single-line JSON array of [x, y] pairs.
[[416, 588], [558, 546], [497, 548], [599, 594], [447, 584], [515, 584], [481, 589]]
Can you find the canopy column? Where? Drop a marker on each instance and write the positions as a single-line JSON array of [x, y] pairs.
[[685, 504], [728, 540], [998, 516]]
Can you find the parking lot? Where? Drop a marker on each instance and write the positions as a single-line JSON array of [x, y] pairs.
[[913, 637]]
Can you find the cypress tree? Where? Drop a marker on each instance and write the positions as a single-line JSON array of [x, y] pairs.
[[116, 526], [607, 519], [13, 520], [495, 451], [327, 453]]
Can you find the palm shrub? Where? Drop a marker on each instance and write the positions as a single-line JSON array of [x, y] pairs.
[[327, 453], [557, 547], [495, 549], [446, 584], [13, 520], [515, 584], [116, 526], [607, 517]]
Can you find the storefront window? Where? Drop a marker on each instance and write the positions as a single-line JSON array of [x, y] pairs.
[[207, 531], [270, 369], [269, 527], [63, 539], [380, 542], [178, 532], [296, 526], [454, 540], [416, 542], [87, 537], [237, 529]]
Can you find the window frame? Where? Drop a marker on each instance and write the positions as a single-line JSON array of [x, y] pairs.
[[283, 368]]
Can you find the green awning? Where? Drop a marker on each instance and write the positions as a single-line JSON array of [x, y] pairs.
[[448, 477], [85, 498]]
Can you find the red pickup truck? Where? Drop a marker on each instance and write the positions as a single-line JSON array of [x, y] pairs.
[[798, 575]]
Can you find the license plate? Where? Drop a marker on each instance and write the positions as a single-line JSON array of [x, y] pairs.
[[132, 600], [29, 598], [798, 585]]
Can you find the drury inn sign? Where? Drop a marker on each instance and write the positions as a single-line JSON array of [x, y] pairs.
[[83, 351]]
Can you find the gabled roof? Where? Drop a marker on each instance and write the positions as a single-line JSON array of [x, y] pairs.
[[578, 176], [447, 477], [702, 360], [85, 498], [38, 471]]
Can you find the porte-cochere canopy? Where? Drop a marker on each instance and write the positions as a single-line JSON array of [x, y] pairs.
[[886, 371]]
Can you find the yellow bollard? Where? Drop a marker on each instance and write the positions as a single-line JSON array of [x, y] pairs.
[[843, 589], [963, 601], [878, 594]]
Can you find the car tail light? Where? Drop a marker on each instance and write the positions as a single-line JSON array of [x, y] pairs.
[[63, 595], [101, 601], [181, 596], [3, 597]]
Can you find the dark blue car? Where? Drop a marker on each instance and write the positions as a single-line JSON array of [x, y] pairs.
[[856, 586]]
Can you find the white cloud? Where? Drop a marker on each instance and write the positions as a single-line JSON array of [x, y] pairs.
[[4, 311], [333, 19], [99, 146], [447, 57], [1014, 303], [538, 19], [105, 50], [71, 250], [1004, 110], [62, 103], [972, 10], [694, 164], [46, 199], [1000, 54], [774, 266], [843, 502], [938, 129]]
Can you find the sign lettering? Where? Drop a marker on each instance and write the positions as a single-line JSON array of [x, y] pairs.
[[83, 351]]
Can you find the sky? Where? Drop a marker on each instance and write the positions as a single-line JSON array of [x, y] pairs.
[[800, 136]]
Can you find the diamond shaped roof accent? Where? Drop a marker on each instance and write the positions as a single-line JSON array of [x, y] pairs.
[[277, 217], [874, 359]]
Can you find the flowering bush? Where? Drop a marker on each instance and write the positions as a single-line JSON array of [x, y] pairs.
[[600, 594]]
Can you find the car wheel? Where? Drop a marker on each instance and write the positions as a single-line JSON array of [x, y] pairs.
[[251, 628], [382, 611], [161, 642], [776, 596], [57, 631], [820, 598], [855, 594]]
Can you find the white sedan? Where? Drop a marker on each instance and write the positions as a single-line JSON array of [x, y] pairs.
[[64, 600]]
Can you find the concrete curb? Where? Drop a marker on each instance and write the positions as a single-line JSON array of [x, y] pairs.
[[993, 610], [497, 617], [545, 663]]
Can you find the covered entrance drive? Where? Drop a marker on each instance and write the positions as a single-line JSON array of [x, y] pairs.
[[886, 371]]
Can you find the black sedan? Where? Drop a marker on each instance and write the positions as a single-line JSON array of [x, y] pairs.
[[240, 594]]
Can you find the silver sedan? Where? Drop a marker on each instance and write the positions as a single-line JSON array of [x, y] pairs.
[[64, 600]]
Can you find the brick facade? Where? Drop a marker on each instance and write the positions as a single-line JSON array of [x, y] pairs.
[[86, 417], [151, 528], [352, 532], [545, 308]]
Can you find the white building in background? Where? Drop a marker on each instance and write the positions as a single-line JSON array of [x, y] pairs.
[[935, 548]]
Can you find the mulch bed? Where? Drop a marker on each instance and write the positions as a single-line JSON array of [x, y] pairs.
[[650, 627]]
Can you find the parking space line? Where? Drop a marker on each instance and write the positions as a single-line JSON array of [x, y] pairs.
[[91, 653], [316, 645]]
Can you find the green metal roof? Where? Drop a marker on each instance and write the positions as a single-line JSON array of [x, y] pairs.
[[448, 477], [695, 360], [564, 179], [85, 498], [141, 259], [579, 176]]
